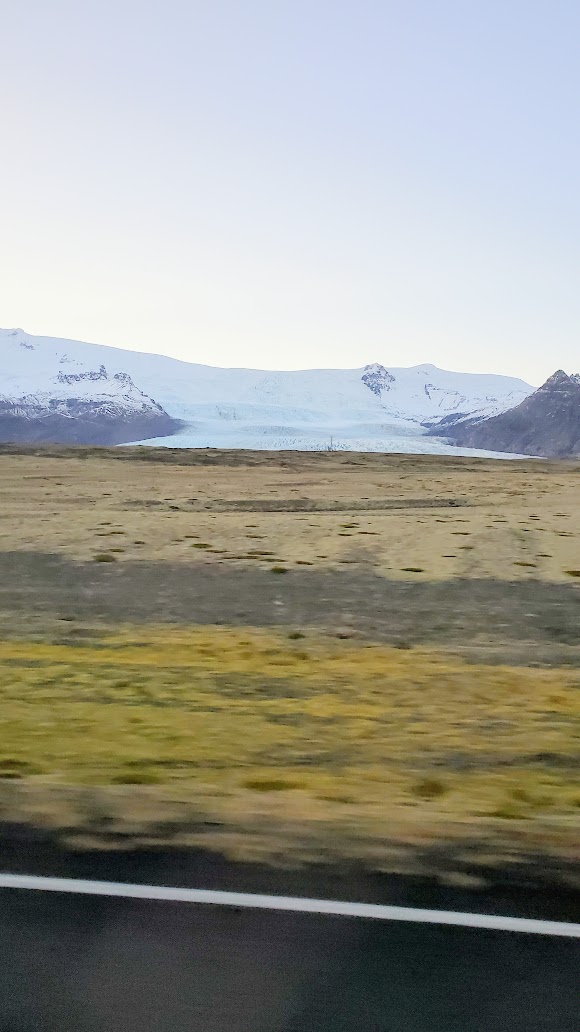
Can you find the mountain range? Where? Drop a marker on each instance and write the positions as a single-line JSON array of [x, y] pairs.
[[69, 391]]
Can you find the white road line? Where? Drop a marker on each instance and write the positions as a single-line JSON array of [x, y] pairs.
[[289, 903]]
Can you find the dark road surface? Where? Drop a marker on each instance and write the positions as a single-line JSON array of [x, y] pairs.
[[90, 964]]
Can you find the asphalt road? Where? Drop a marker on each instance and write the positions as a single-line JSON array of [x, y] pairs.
[[91, 964]]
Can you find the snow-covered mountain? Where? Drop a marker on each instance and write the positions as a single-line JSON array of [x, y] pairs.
[[57, 397], [373, 408]]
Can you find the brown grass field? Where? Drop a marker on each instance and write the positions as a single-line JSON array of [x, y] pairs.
[[406, 517], [294, 656]]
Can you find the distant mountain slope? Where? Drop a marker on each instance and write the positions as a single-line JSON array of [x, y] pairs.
[[373, 408], [74, 405], [546, 423]]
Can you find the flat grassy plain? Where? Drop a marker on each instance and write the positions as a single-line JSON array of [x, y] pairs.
[[294, 656], [407, 517]]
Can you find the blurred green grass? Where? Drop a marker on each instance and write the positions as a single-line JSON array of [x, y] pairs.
[[335, 723]]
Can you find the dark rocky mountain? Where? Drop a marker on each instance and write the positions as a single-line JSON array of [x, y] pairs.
[[83, 425], [546, 423]]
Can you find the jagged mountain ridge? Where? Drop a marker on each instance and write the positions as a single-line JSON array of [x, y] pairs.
[[373, 408], [546, 423]]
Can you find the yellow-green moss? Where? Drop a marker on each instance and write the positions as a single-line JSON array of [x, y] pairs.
[[243, 709]]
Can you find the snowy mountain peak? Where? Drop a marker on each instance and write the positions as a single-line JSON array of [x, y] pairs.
[[377, 378], [559, 381]]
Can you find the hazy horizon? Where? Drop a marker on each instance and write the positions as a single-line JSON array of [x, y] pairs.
[[296, 185]]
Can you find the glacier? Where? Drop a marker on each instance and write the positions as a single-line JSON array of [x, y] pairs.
[[373, 408]]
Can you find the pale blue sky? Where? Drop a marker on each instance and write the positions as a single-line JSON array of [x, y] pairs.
[[295, 183]]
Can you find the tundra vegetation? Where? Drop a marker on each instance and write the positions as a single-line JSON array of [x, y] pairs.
[[396, 697]]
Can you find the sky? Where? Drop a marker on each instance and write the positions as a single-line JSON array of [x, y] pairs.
[[295, 183]]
